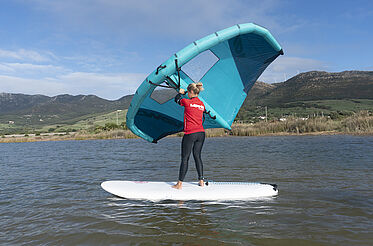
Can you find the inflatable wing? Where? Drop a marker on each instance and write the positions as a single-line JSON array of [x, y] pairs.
[[241, 54]]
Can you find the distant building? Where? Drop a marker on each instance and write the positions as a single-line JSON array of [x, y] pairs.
[[11, 122]]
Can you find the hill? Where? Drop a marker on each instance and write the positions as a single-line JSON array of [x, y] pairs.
[[304, 94], [58, 105], [315, 85], [35, 111], [311, 93]]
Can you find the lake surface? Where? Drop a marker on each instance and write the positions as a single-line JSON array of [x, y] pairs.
[[50, 192]]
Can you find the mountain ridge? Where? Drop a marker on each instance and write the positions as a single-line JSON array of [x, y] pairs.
[[317, 85], [309, 86]]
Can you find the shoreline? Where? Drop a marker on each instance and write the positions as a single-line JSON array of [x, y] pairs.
[[129, 135], [360, 124]]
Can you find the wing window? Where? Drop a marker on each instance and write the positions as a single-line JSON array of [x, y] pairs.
[[162, 95], [200, 65]]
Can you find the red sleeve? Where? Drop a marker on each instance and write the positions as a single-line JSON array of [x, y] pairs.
[[182, 101]]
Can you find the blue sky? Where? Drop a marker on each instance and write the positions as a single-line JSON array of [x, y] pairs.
[[107, 47]]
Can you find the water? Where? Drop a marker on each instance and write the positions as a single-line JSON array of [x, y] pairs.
[[50, 193]]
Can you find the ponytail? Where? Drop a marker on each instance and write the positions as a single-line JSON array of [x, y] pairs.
[[196, 88], [200, 86]]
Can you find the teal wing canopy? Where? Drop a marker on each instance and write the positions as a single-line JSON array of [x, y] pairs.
[[241, 54]]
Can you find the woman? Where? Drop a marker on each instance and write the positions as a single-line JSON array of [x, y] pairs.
[[194, 134]]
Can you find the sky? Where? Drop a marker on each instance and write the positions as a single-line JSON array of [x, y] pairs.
[[108, 47]]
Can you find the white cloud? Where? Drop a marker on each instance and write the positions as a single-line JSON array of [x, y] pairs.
[[284, 68], [12, 84], [31, 71], [50, 79], [104, 61], [166, 18], [117, 21], [27, 67], [26, 55], [114, 86], [5, 68], [298, 63], [360, 13], [108, 86]]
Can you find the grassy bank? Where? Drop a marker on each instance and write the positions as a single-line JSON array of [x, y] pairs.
[[82, 135], [359, 123]]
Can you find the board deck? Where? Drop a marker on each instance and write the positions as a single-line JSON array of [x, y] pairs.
[[156, 191]]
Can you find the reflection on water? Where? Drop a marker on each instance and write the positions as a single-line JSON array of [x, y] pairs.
[[50, 193], [170, 221]]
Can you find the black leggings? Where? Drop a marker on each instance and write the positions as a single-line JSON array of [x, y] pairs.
[[195, 141]]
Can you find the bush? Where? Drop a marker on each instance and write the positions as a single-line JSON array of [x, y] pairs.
[[360, 122], [291, 125], [334, 115], [123, 126], [111, 126]]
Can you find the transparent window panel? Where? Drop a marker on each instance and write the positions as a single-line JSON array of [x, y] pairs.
[[200, 65]]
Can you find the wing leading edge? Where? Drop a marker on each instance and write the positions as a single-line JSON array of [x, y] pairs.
[[243, 52]]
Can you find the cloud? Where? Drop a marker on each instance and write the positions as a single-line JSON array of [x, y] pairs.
[[109, 86], [27, 67], [105, 60], [5, 68], [31, 71], [66, 75], [91, 38], [26, 55], [12, 84], [284, 68], [359, 13], [162, 18], [114, 86]]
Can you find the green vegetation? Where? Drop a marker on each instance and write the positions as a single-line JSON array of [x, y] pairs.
[[310, 102], [336, 116], [335, 109], [90, 122], [358, 123]]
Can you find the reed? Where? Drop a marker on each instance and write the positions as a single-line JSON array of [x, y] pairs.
[[290, 126], [82, 135], [218, 132], [359, 123]]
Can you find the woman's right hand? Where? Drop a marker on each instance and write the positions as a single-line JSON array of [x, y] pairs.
[[182, 91]]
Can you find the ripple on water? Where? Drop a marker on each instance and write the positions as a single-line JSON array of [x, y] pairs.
[[51, 195]]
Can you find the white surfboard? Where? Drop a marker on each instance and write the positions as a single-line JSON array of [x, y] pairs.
[[212, 191]]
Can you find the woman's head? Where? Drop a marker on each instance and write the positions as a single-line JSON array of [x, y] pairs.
[[195, 88]]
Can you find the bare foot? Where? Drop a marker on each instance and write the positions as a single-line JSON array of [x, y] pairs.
[[201, 183], [178, 185]]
